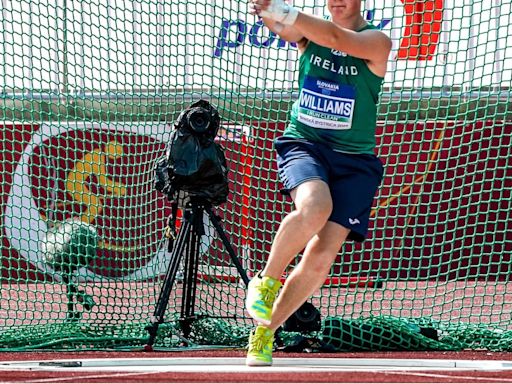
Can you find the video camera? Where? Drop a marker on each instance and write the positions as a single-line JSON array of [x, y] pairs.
[[194, 163]]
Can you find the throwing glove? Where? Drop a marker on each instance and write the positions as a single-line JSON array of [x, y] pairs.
[[281, 12]]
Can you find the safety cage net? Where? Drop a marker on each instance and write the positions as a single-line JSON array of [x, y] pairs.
[[90, 91]]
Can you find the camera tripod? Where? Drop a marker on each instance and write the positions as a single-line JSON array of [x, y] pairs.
[[188, 244]]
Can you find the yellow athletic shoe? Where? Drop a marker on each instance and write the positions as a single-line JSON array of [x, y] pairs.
[[261, 343], [261, 294]]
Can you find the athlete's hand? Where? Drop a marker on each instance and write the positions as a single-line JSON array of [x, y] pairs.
[[276, 10]]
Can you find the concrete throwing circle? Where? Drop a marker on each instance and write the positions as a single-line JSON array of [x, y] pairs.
[[221, 364]]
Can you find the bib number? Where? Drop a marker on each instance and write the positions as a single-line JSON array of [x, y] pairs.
[[326, 104]]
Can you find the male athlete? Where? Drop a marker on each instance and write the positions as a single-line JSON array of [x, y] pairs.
[[325, 157]]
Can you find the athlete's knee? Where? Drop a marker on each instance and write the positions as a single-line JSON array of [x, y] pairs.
[[313, 201]]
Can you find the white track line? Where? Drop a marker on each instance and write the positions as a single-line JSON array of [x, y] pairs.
[[218, 364]]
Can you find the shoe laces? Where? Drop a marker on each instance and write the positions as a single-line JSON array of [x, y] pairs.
[[258, 341], [268, 296]]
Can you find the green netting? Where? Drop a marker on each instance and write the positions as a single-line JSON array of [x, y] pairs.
[[88, 90]]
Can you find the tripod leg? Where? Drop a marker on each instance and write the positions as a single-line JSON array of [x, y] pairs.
[[191, 269], [170, 276], [234, 258]]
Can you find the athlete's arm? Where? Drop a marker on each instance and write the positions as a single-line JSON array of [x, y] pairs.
[[370, 45], [285, 32]]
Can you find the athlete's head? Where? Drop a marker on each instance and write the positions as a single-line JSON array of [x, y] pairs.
[[344, 9]]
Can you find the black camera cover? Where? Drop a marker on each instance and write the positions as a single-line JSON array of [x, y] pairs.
[[194, 162], [201, 119]]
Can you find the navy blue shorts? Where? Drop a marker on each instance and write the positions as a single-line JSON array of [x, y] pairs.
[[352, 178]]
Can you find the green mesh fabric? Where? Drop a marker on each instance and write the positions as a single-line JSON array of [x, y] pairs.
[[89, 92]]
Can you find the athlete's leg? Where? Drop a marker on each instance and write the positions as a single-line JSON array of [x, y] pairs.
[[313, 206], [310, 272]]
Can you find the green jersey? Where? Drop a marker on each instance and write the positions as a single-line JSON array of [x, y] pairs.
[[337, 104]]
